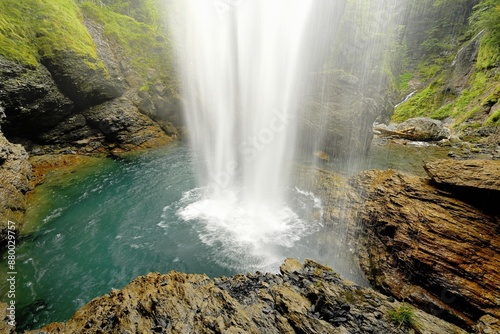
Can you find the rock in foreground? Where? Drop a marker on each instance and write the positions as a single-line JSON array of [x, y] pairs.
[[304, 298]]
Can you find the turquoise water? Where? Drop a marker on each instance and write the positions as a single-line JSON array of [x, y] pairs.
[[105, 228], [102, 228], [103, 231]]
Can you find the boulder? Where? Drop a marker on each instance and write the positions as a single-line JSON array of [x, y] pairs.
[[423, 129], [420, 244], [305, 298]]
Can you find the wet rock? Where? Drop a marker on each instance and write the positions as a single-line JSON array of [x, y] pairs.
[[161, 105], [415, 129], [31, 100], [15, 173], [487, 325], [420, 244], [2, 116], [463, 66], [424, 129], [338, 122], [183, 303], [120, 122]]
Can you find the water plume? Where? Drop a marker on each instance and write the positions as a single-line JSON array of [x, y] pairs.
[[244, 69]]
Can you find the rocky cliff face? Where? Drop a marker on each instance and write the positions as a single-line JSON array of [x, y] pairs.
[[303, 298], [76, 102], [417, 242], [71, 103], [433, 242]]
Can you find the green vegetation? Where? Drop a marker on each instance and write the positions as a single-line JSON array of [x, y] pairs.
[[434, 50], [403, 316], [404, 80], [485, 18], [420, 103], [145, 45], [434, 101], [33, 29]]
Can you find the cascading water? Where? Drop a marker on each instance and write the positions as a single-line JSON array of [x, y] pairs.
[[243, 65]]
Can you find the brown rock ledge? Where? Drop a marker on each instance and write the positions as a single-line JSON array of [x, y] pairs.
[[477, 174]]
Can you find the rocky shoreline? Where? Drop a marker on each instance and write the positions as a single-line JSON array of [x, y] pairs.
[[303, 298], [422, 241]]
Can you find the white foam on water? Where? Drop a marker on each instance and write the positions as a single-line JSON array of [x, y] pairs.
[[255, 235]]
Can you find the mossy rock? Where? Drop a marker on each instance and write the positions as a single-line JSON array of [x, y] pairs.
[[81, 79]]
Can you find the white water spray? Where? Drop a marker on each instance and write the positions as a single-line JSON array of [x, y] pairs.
[[243, 65]]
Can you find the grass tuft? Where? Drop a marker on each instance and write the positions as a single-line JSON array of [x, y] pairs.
[[403, 316]]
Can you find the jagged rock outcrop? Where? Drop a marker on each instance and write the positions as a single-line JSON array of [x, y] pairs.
[[52, 107], [15, 173], [161, 105], [81, 112], [473, 181], [31, 100], [419, 243], [121, 123], [304, 298]]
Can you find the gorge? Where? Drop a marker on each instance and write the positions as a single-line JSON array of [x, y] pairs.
[[279, 117]]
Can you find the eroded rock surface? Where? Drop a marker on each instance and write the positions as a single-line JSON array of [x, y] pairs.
[[15, 173], [420, 244], [304, 298], [466, 174]]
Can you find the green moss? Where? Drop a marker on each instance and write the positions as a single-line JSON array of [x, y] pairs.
[[469, 103], [494, 119], [148, 50], [437, 102], [33, 29], [488, 56], [421, 104], [404, 80]]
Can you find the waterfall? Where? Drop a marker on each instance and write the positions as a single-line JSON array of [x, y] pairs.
[[243, 66]]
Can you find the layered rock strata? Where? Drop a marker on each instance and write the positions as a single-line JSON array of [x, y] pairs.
[[419, 243]]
